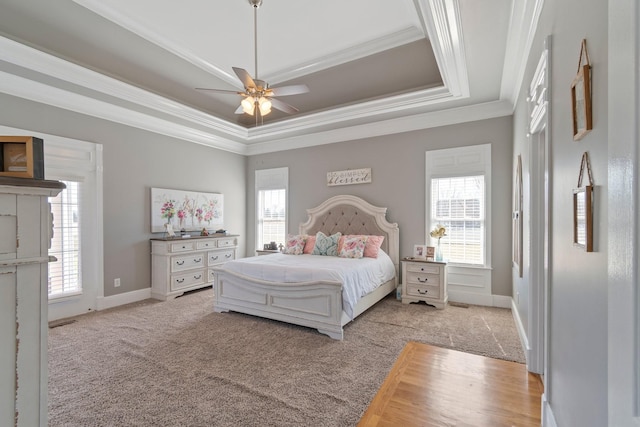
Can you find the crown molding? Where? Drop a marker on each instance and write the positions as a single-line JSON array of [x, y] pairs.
[[452, 116], [441, 21], [522, 30], [46, 94]]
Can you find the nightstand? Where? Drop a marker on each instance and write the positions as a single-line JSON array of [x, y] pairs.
[[424, 281], [266, 251]]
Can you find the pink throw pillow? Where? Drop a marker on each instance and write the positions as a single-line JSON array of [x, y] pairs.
[[309, 244], [372, 246]]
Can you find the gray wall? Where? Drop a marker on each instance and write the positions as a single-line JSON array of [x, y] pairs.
[[397, 165], [135, 161], [577, 365]]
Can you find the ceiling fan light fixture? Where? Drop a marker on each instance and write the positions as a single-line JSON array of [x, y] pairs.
[[265, 106], [248, 105]]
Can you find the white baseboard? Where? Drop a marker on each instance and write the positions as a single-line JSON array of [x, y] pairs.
[[524, 341], [479, 299], [104, 303], [548, 420]]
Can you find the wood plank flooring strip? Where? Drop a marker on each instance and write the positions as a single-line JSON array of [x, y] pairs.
[[433, 386]]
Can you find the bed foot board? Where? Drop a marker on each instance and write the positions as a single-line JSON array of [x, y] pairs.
[[336, 335]]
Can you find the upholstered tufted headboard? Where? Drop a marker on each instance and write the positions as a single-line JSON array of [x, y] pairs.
[[353, 215]]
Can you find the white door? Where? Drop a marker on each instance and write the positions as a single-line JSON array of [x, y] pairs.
[[75, 279], [623, 216]]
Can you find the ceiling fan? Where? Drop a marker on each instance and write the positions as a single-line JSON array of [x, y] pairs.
[[258, 95]]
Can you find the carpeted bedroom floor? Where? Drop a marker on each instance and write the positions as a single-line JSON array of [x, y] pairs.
[[177, 363]]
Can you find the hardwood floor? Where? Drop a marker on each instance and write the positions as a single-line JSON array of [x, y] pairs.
[[433, 386]]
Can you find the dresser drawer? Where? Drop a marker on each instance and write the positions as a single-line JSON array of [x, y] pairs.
[[218, 257], [187, 262], [182, 247], [422, 279], [186, 280], [206, 244], [225, 243], [423, 268], [423, 290]]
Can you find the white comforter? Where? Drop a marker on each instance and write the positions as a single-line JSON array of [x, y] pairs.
[[358, 276]]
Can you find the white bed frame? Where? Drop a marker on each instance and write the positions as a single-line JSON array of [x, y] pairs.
[[313, 304]]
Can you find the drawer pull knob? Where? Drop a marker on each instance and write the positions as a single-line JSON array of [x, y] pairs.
[[198, 277], [180, 262], [228, 256], [179, 280], [213, 258], [184, 247], [423, 280], [423, 292], [197, 260]]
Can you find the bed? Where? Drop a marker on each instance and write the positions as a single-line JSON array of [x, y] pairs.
[[317, 302]]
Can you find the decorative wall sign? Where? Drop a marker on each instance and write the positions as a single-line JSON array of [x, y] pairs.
[[348, 177], [517, 219], [188, 210], [583, 209], [581, 96]]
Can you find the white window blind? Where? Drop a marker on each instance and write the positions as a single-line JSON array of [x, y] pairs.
[[271, 206], [64, 274], [458, 203], [272, 216]]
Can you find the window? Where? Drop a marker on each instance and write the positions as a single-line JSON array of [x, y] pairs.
[[458, 183], [64, 274], [271, 206], [458, 204]]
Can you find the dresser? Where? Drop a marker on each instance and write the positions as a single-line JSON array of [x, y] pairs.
[[424, 281], [25, 237], [179, 265]]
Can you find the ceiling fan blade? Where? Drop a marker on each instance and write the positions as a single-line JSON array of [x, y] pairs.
[[234, 92], [239, 110], [244, 77], [289, 90], [282, 106]]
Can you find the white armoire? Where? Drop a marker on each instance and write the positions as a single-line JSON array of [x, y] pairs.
[[25, 236]]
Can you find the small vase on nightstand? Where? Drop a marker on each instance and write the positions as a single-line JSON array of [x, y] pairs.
[[438, 252]]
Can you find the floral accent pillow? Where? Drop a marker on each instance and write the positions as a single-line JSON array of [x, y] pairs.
[[326, 245], [295, 244], [353, 247]]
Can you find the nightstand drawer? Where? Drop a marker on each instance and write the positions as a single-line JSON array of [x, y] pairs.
[[423, 290], [422, 279], [423, 268]]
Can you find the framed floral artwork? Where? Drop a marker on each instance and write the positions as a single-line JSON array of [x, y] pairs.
[[185, 210]]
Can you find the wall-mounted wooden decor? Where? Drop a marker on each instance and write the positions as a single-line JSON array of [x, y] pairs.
[[583, 209], [581, 96], [21, 157], [348, 177]]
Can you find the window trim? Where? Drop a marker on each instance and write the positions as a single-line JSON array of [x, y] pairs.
[[271, 179], [455, 162]]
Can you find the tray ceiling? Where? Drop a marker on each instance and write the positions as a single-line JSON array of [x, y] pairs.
[[364, 61]]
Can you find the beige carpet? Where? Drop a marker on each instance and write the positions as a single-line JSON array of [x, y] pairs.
[[177, 363]]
